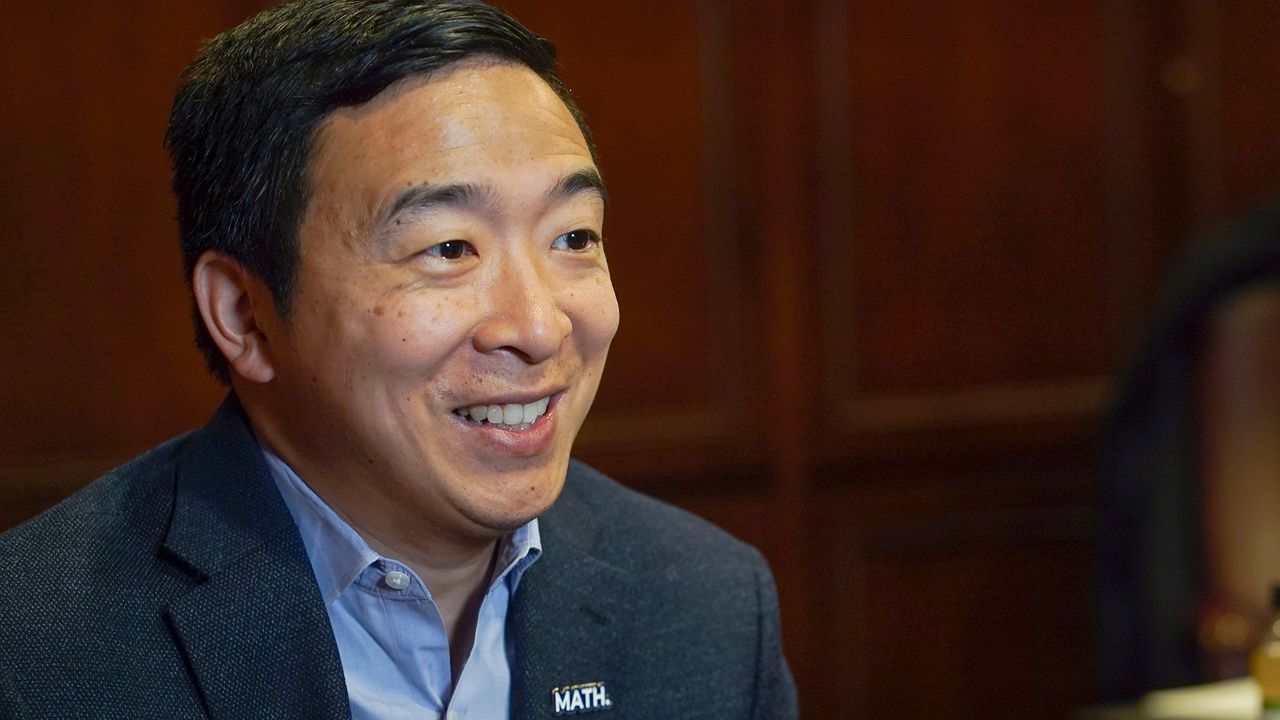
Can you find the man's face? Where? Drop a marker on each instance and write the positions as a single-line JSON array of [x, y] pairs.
[[453, 306]]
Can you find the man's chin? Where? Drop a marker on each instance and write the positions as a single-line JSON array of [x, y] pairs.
[[505, 526], [492, 526], [502, 520]]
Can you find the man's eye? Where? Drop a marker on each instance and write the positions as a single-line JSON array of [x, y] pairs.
[[576, 240], [451, 250]]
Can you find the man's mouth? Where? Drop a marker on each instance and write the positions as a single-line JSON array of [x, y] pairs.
[[507, 416]]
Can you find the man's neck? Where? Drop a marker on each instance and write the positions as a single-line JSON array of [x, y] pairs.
[[456, 570], [457, 587]]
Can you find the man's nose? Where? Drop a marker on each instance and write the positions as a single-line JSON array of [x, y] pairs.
[[525, 317]]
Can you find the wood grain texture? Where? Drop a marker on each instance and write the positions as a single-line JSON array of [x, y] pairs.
[[975, 197], [94, 310], [1234, 49], [970, 577]]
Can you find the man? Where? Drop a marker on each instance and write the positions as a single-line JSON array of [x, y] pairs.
[[392, 222]]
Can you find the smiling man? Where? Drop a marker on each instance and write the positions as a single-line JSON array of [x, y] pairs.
[[393, 223]]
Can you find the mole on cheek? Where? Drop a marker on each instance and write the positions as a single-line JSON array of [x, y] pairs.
[[379, 310]]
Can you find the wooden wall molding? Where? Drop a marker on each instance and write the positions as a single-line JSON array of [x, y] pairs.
[[724, 249], [674, 427], [970, 531], [977, 406]]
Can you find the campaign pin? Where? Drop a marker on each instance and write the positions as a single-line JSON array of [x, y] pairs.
[[580, 698]]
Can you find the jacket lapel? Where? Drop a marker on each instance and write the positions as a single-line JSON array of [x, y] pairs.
[[254, 629], [571, 616]]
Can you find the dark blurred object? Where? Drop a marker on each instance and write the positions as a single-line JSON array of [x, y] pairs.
[[1151, 553]]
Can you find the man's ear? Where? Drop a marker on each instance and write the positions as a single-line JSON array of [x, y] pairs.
[[230, 300]]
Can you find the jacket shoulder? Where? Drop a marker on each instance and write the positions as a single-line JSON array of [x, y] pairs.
[[704, 603], [643, 534], [126, 502]]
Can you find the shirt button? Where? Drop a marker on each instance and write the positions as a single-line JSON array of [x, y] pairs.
[[397, 580]]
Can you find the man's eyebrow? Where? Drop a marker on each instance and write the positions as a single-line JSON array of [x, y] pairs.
[[429, 196], [585, 180]]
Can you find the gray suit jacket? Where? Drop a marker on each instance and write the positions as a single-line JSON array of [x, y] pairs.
[[177, 586]]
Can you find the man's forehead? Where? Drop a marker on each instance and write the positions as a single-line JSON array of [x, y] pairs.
[[478, 137], [470, 103], [440, 75]]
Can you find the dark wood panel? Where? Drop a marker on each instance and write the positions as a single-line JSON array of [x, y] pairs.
[[957, 589], [1237, 48], [1150, 83], [972, 246], [99, 354], [985, 631], [774, 89]]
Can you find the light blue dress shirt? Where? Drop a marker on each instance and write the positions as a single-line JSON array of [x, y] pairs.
[[391, 638]]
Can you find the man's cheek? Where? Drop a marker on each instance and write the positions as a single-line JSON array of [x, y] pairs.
[[417, 342], [602, 316]]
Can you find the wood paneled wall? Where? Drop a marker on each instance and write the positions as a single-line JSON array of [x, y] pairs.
[[877, 260]]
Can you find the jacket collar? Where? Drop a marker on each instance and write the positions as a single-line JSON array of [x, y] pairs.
[[572, 614], [253, 629]]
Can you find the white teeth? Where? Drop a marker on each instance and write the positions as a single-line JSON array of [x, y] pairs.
[[511, 414]]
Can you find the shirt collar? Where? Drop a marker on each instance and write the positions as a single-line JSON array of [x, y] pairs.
[[517, 553], [338, 554]]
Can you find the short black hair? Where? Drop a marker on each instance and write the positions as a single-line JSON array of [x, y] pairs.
[[247, 110]]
